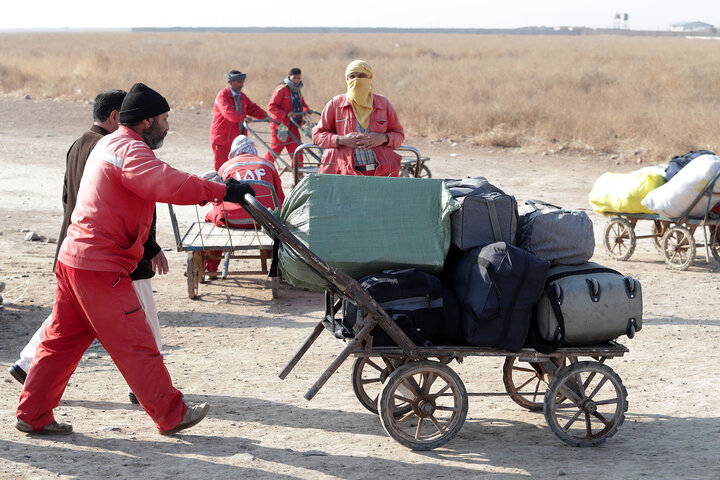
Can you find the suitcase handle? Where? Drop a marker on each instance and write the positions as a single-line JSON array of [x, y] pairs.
[[535, 203], [594, 287], [630, 287]]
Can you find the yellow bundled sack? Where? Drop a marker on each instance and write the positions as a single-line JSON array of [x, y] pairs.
[[623, 192]]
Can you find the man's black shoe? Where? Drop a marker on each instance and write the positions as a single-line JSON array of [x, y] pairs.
[[133, 398], [18, 373]]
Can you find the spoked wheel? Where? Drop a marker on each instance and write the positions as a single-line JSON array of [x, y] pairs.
[[593, 405], [368, 376], [195, 269], [619, 238], [678, 247], [525, 382], [714, 241], [659, 228], [438, 400]]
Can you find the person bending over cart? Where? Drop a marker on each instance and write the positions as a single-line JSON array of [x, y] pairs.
[[231, 109], [359, 129], [94, 297], [243, 164], [287, 102]]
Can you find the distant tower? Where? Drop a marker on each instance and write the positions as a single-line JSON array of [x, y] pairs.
[[616, 20], [626, 24]]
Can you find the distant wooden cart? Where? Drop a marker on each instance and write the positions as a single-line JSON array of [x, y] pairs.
[[422, 403], [203, 240], [673, 237]]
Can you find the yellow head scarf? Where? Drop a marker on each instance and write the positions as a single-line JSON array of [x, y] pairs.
[[359, 91]]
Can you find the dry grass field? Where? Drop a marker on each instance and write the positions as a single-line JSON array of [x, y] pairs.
[[647, 96]]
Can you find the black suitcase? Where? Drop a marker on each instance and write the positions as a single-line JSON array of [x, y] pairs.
[[417, 302]]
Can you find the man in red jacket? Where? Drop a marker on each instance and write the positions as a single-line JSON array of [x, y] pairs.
[[287, 102], [231, 109], [94, 297]]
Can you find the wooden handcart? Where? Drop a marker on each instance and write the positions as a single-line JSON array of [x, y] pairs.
[[673, 237], [422, 403]]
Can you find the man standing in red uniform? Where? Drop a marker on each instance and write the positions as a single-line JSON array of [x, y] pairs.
[[94, 297], [287, 102], [231, 109]]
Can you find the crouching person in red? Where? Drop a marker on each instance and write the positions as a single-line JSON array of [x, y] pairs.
[[94, 297], [243, 164]]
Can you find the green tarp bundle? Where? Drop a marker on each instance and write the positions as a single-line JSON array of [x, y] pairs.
[[364, 225]]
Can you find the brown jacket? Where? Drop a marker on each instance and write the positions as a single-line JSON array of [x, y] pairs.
[[74, 167]]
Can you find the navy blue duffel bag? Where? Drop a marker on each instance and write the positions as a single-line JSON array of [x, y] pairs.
[[497, 286]]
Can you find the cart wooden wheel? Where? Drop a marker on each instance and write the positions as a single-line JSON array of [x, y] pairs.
[[195, 268], [714, 242], [525, 382], [438, 399], [619, 238], [368, 376], [659, 227], [678, 247], [593, 405]]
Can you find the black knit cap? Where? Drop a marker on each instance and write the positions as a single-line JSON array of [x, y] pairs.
[[140, 103]]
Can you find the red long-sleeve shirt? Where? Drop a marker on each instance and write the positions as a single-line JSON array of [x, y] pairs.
[[338, 118], [114, 210], [226, 120]]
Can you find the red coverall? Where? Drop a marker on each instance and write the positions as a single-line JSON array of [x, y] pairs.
[[242, 168], [94, 297], [226, 122], [280, 105], [338, 118]]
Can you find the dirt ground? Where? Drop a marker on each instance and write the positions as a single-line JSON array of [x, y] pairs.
[[227, 347]]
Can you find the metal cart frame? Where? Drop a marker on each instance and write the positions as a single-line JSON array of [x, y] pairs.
[[422, 403], [411, 165], [203, 238], [280, 162]]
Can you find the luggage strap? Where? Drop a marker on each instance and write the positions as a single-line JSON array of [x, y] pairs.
[[494, 221]]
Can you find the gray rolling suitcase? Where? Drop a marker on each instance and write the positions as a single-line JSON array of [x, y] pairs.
[[588, 304], [487, 214], [561, 236]]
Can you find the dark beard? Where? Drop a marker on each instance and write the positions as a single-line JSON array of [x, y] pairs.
[[153, 136]]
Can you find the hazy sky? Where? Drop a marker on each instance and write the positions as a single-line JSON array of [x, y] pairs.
[[643, 14]]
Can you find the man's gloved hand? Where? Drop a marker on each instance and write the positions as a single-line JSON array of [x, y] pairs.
[[235, 191]]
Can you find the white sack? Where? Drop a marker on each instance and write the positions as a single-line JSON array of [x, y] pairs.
[[673, 198]]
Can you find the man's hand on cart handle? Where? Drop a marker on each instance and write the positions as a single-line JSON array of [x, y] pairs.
[[235, 191]]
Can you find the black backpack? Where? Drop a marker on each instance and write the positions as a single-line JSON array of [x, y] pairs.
[[417, 302], [679, 161]]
